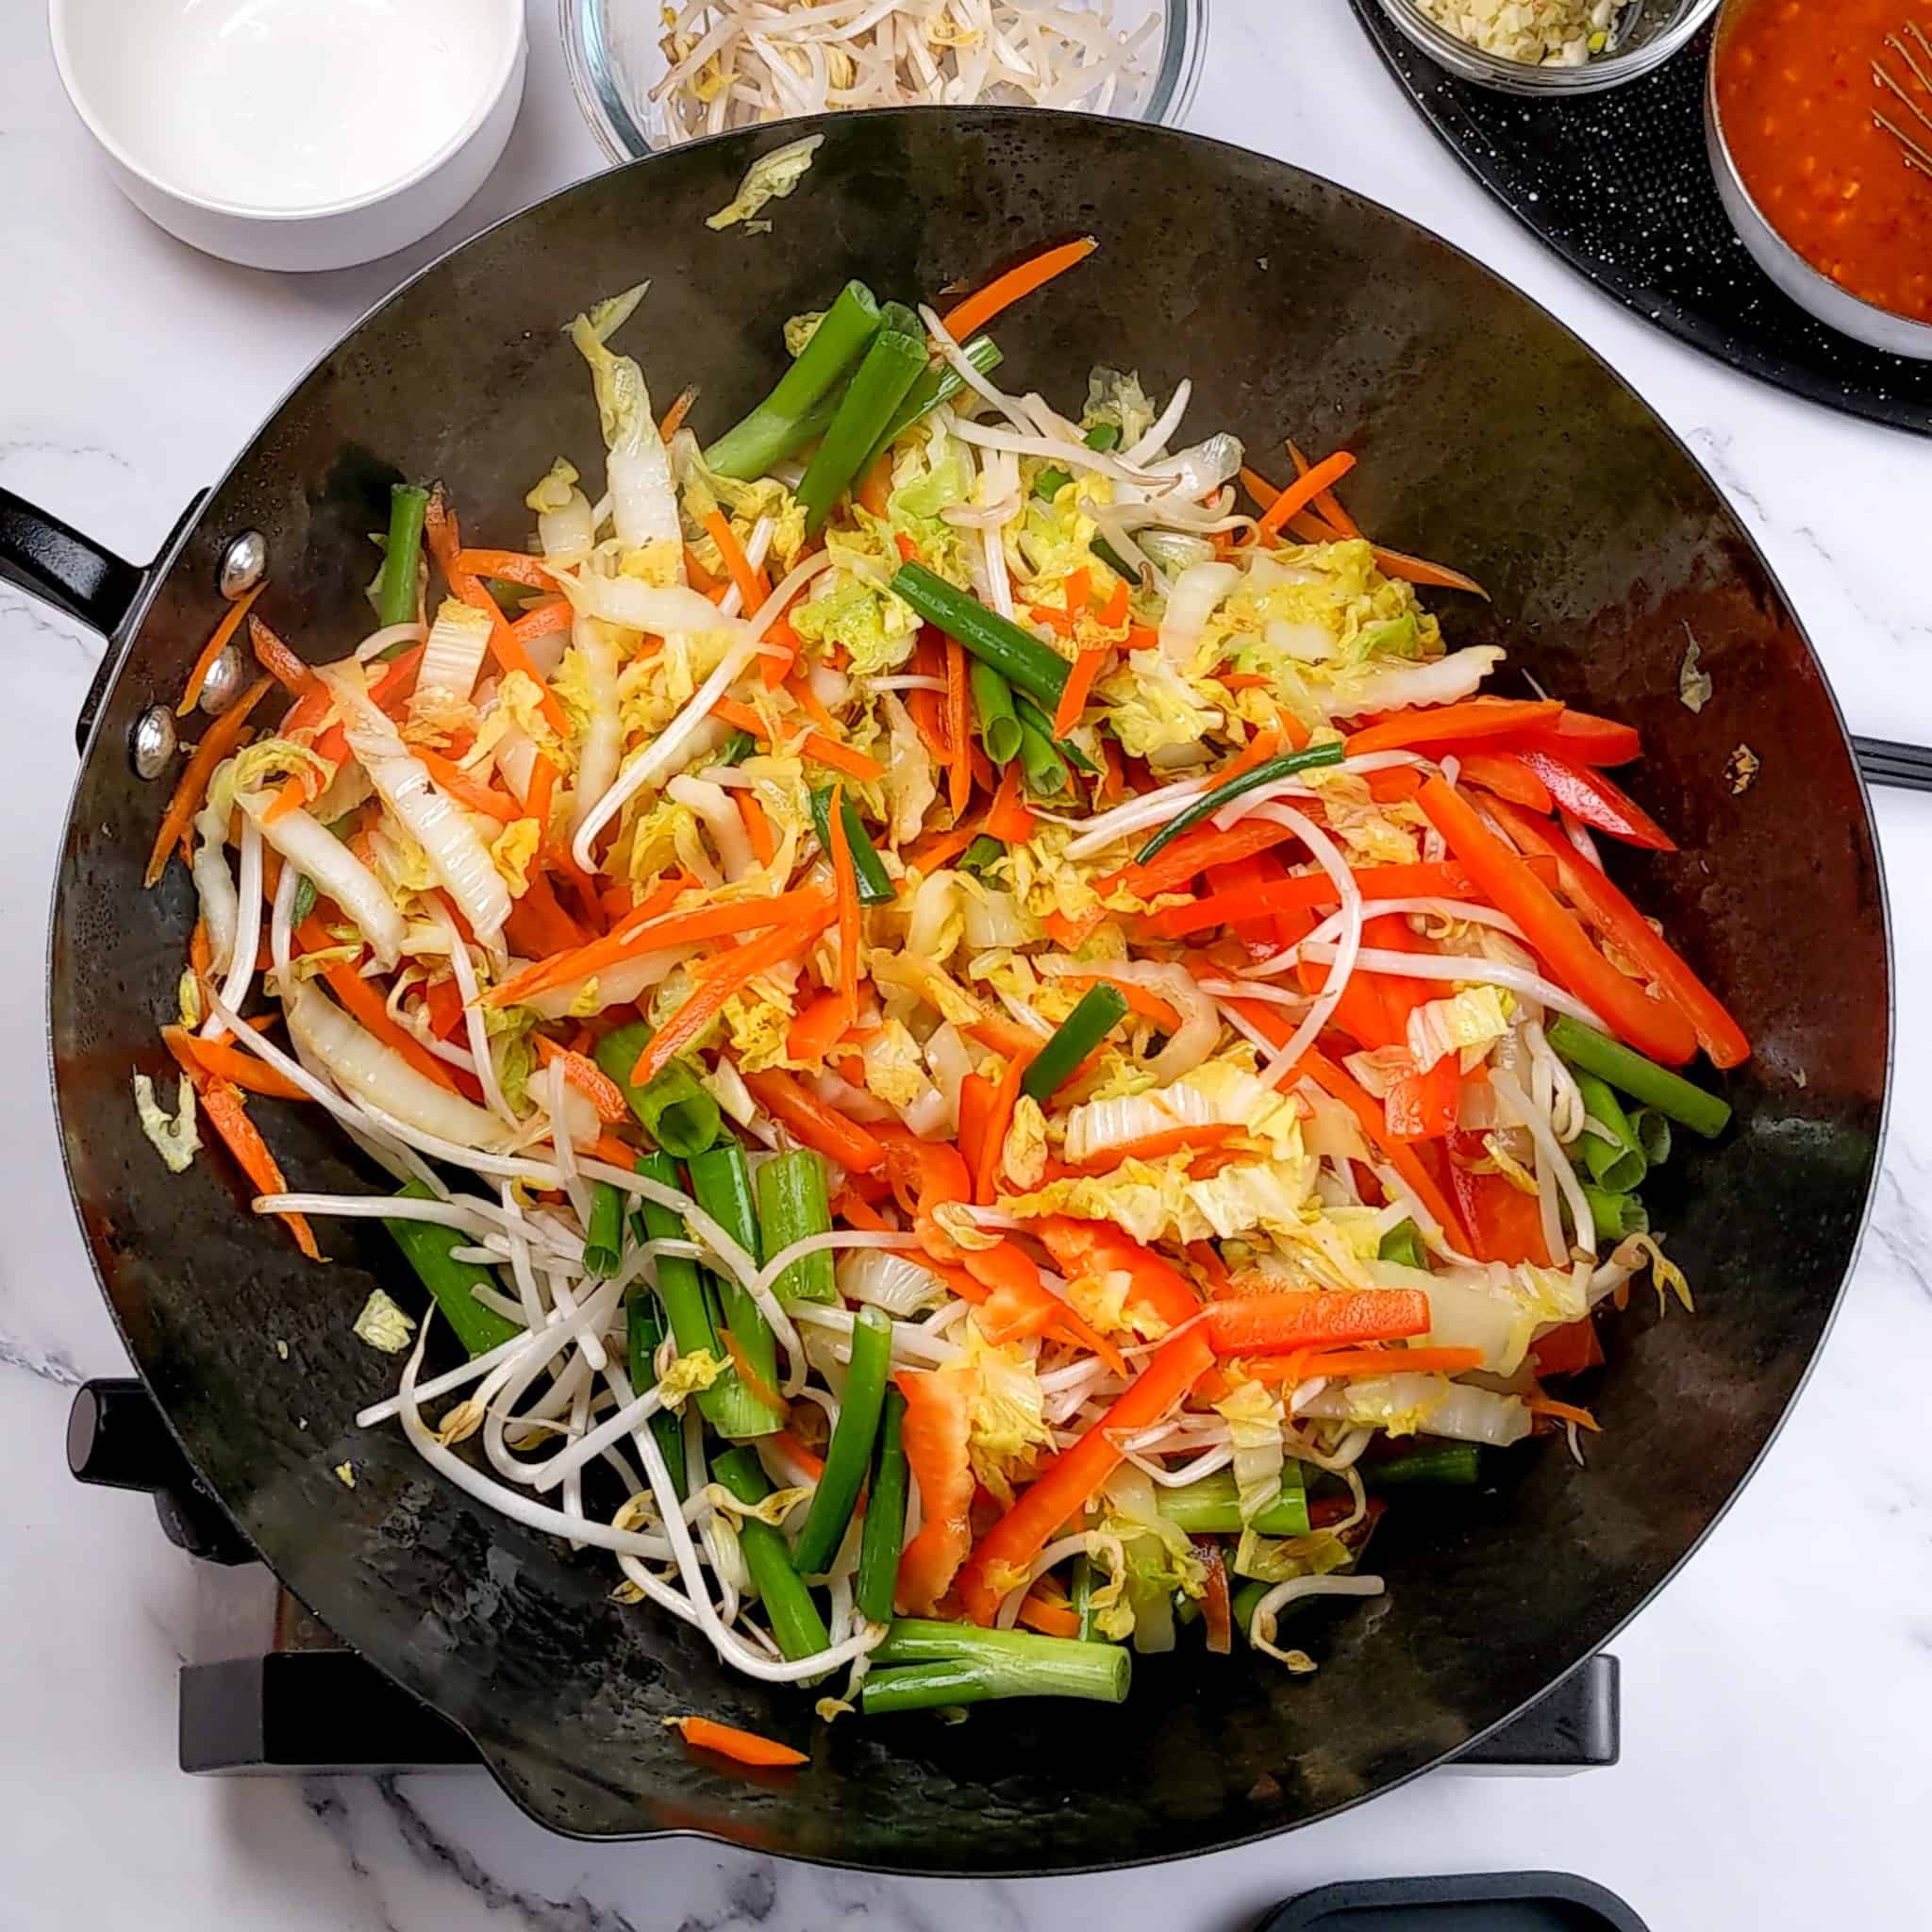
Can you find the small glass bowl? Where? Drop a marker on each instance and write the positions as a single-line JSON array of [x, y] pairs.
[[611, 49], [1644, 36]]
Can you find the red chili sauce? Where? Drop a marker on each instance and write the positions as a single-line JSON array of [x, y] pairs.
[[1796, 94]]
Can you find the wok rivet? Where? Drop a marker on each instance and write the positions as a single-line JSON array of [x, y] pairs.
[[223, 684], [152, 741], [244, 564]]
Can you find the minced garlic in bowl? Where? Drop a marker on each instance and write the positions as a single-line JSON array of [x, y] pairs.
[[1539, 33]]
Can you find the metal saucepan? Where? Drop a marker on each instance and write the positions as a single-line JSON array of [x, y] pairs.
[[1488, 436]]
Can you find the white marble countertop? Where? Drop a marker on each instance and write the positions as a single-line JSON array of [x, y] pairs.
[[1777, 1699]]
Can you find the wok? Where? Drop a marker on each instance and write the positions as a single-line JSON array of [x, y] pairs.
[[1487, 435]]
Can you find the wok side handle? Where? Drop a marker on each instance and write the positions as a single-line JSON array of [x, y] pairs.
[[41, 555], [1904, 767]]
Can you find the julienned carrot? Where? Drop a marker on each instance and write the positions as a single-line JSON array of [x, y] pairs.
[[544, 621], [845, 886], [507, 566], [1438, 723], [1562, 1412], [818, 1029], [1308, 892], [975, 1104], [644, 933], [229, 1063], [365, 1006], [1507, 883], [217, 742], [1272, 1323], [1328, 506], [467, 788], [446, 545], [736, 564], [542, 787], [1063, 1487], [1619, 920], [721, 976], [980, 308], [1149, 1004], [757, 828], [1009, 821], [1074, 693], [589, 1079], [223, 1106], [1049, 1618], [744, 1747], [958, 739], [1418, 570], [217, 643], [999, 1119], [1303, 491], [931, 855], [935, 1432], [814, 744], [281, 664], [1157, 1146], [1344, 1363], [811, 1121]]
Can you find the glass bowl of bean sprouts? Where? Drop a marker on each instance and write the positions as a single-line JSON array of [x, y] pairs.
[[646, 84]]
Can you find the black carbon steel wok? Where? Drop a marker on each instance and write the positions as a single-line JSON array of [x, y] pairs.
[[1488, 436]]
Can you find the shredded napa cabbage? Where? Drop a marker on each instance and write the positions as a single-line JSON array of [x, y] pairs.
[[384, 1326], [174, 1138]]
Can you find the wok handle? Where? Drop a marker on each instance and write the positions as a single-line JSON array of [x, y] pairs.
[[1905, 767], [41, 555]]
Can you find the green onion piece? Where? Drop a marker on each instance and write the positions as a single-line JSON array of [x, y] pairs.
[[934, 387], [726, 1405], [673, 1105], [1113, 560], [604, 1243], [794, 1617], [1030, 713], [1615, 1215], [1046, 771], [993, 705], [428, 1248], [1436, 1465], [981, 854], [643, 1336], [1653, 1131], [305, 899], [1641, 1080], [1403, 1244], [1103, 437], [1023, 660], [778, 426], [1101, 1009], [1050, 481], [1210, 1504], [793, 1202], [874, 882], [885, 1518], [1616, 1165], [1243, 1604], [893, 364], [853, 1435], [721, 1185], [395, 589], [1080, 1594], [736, 748], [1205, 807], [1186, 1611], [957, 1664]]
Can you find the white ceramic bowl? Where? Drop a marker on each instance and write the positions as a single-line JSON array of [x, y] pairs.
[[294, 134]]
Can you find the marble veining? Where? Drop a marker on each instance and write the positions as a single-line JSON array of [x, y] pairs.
[[1778, 1697]]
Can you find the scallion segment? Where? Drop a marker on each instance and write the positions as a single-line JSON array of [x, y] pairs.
[[1046, 771], [780, 426], [1436, 1465], [979, 856], [604, 1243], [643, 1334], [1642, 1080], [1616, 1165], [721, 1185], [992, 709], [928, 1665], [893, 363], [673, 1106], [884, 1533], [1312, 758], [850, 1449], [1243, 1605], [396, 589], [1403, 1244], [936, 386], [793, 1203], [428, 1248], [796, 1625], [1031, 714], [726, 1405], [1101, 1009], [1023, 660], [1210, 1504], [1613, 1216], [874, 882]]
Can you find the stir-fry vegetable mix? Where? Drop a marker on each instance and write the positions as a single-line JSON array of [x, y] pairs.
[[968, 1034]]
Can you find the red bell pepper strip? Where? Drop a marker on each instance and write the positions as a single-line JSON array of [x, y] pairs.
[[1568, 1350], [1590, 797], [1306, 893], [1439, 724], [1649, 1026], [1061, 1490], [934, 1432], [1217, 1606], [1504, 1223], [1273, 1322], [1016, 1303], [1506, 774], [1098, 1247], [1588, 740], [1422, 1106], [1620, 922]]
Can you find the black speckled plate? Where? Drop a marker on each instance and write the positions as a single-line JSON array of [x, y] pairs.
[[1619, 185]]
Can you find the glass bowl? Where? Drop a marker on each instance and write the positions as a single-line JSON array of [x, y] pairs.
[[611, 48], [1644, 34]]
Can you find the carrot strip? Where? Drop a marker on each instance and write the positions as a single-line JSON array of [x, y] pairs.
[[542, 784], [810, 702], [757, 828], [225, 1063], [1009, 821], [223, 1106], [217, 643], [467, 790], [845, 885], [1651, 1026], [810, 1120], [1473, 718], [940, 849], [1157, 1146], [728, 1740], [507, 566], [1303, 491], [280, 662], [1272, 1324], [1418, 570], [737, 565], [875, 486], [814, 744], [1049, 1618], [1346, 1362], [1325, 503], [959, 750], [1562, 1412], [589, 1079], [935, 1432], [1063, 1487], [818, 1029], [992, 1146], [672, 420], [1150, 1006], [1073, 693], [975, 1104], [217, 742], [544, 621], [980, 308]]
